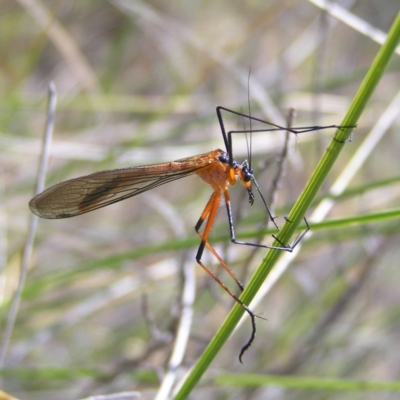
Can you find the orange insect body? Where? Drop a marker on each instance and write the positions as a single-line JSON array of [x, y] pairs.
[[218, 174]]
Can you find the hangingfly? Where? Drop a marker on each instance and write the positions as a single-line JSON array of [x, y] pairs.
[[217, 168]]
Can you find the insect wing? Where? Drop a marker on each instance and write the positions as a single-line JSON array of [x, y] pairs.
[[78, 196]]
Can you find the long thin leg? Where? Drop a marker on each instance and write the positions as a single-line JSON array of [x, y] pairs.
[[299, 238], [302, 129], [223, 263], [264, 246], [227, 137], [204, 215], [210, 213]]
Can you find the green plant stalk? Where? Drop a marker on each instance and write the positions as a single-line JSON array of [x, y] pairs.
[[304, 382], [300, 207]]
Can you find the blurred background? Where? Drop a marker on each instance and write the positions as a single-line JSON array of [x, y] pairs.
[[138, 83]]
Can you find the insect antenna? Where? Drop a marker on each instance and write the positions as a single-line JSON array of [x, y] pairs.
[[249, 145]]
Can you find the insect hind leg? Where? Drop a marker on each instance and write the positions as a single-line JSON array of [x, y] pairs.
[[283, 247], [291, 247], [209, 213]]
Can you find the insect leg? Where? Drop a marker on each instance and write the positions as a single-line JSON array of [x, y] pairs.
[[298, 239], [283, 247], [214, 200], [210, 213]]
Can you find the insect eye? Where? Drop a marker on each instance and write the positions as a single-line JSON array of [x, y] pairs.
[[247, 174], [248, 177], [223, 158]]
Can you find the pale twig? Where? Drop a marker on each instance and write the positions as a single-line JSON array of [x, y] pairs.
[[116, 396], [187, 300], [353, 21], [12, 314]]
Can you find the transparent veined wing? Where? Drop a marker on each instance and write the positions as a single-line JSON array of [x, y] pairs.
[[87, 193]]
